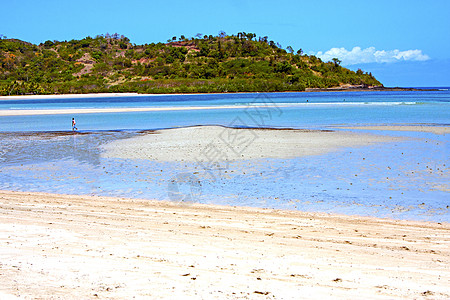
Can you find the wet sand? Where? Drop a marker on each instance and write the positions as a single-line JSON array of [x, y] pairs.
[[207, 143], [81, 247], [417, 128]]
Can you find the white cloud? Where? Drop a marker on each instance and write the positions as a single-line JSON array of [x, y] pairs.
[[371, 55]]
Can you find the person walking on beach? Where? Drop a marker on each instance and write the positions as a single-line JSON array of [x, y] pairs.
[[73, 125]]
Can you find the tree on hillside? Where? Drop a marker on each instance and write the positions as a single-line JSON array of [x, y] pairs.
[[48, 44], [250, 36], [336, 61]]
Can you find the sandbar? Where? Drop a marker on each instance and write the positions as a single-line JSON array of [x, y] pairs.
[[206, 143], [85, 247], [72, 111]]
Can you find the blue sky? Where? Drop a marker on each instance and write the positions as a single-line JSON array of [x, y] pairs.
[[403, 43]]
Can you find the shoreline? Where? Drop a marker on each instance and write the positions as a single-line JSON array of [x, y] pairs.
[[132, 94], [82, 246]]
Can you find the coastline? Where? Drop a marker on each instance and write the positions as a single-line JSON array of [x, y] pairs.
[[82, 246], [73, 246], [131, 94]]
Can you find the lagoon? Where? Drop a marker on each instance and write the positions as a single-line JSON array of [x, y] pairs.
[[407, 179]]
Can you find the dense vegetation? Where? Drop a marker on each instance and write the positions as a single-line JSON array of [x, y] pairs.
[[201, 64]]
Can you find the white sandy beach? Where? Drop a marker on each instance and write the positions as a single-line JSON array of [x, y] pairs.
[[80, 247]]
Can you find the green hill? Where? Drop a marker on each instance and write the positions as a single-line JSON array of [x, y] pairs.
[[201, 64]]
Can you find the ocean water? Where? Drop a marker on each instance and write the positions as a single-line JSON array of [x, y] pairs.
[[405, 180], [298, 110]]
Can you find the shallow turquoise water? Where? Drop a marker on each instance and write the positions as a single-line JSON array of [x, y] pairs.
[[407, 180], [321, 109]]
